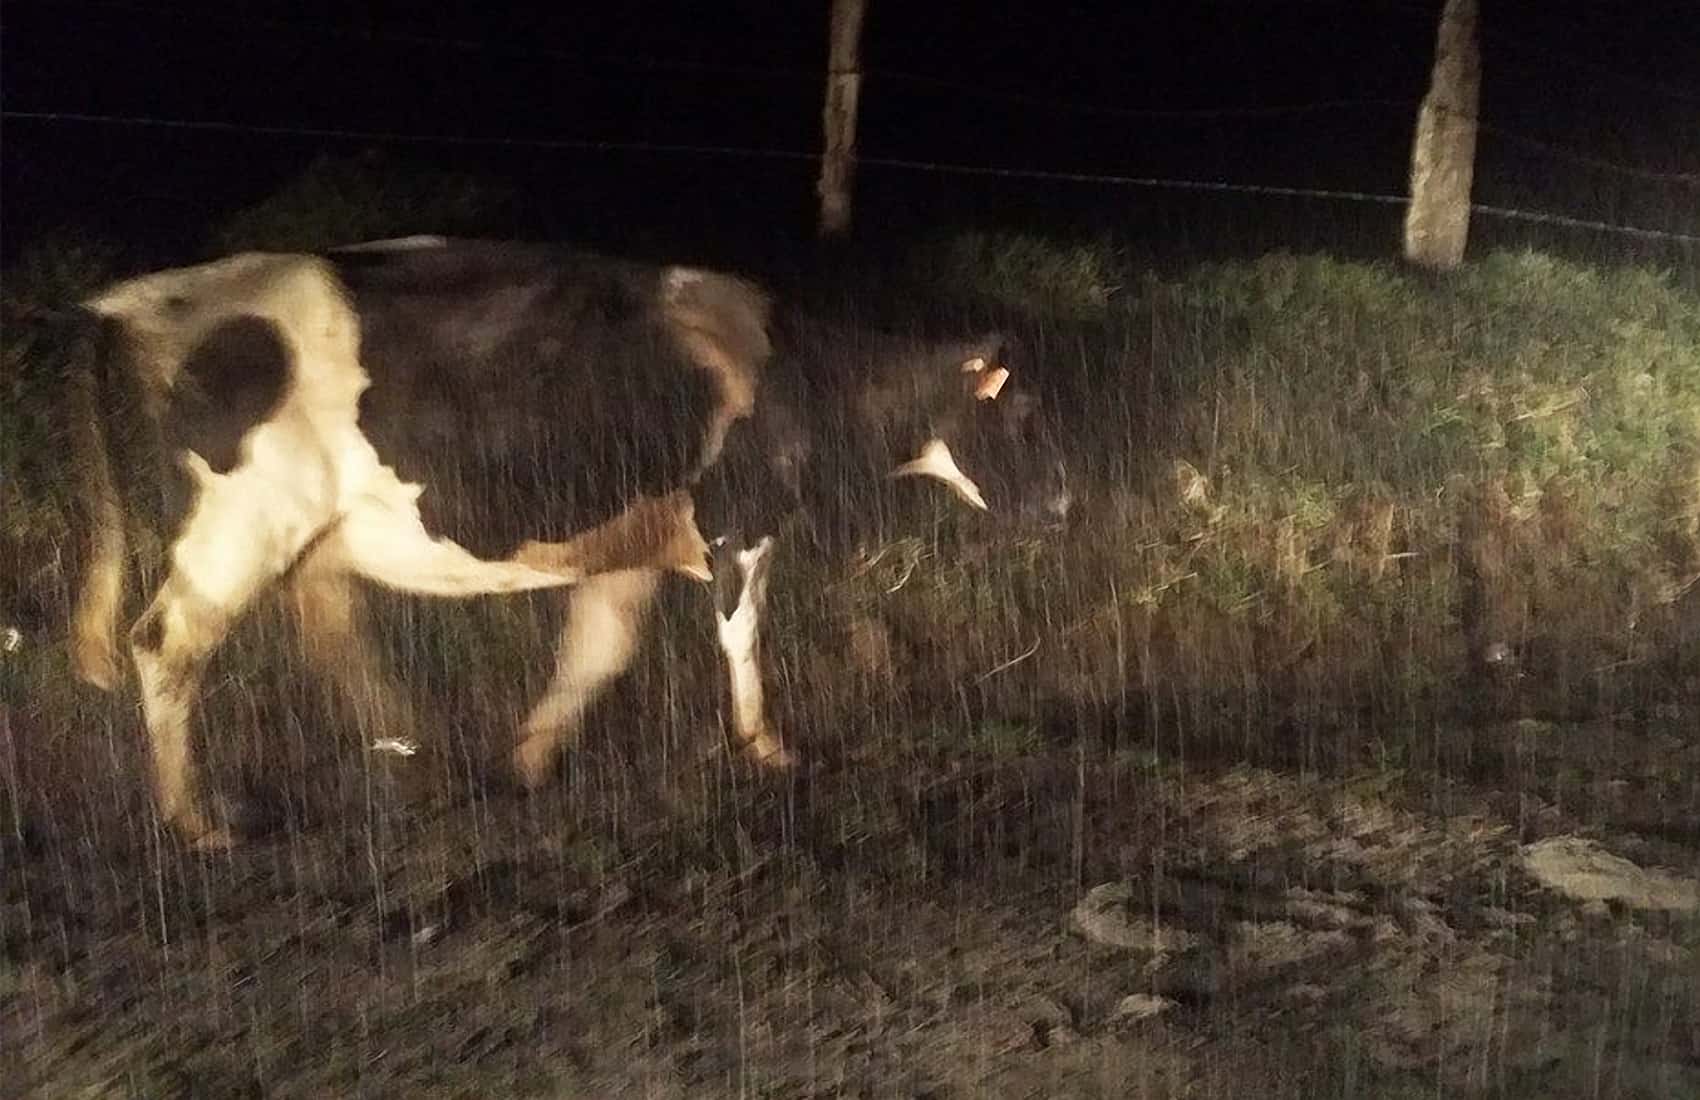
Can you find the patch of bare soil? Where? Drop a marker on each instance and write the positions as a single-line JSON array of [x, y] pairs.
[[1045, 925]]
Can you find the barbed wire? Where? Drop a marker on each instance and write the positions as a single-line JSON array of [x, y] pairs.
[[797, 156], [1177, 113], [810, 76], [977, 91], [1580, 159], [1510, 213], [397, 137]]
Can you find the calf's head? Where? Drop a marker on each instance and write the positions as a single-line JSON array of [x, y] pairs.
[[962, 418]]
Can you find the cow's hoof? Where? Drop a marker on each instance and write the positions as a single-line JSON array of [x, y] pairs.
[[765, 750], [534, 762], [220, 839], [97, 667], [197, 831]]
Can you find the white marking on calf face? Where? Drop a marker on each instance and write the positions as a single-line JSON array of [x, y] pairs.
[[936, 461]]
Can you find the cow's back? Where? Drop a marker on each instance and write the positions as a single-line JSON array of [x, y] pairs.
[[533, 390]]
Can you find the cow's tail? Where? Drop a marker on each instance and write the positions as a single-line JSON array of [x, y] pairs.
[[100, 512]]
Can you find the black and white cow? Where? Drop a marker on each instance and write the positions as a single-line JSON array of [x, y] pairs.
[[461, 418]]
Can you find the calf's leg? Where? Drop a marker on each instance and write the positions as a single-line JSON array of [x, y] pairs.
[[329, 608], [231, 550], [740, 600], [605, 619]]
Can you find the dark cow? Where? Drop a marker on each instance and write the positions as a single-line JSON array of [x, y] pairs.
[[460, 418]]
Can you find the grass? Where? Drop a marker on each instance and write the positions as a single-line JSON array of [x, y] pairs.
[[1316, 494], [1311, 493], [346, 199]]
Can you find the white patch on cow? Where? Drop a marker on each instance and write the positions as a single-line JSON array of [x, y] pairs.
[[677, 278], [936, 461], [604, 625], [740, 641], [199, 472], [383, 539], [169, 313]]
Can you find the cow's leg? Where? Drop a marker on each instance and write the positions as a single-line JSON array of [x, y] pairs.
[[740, 599], [329, 608], [605, 621], [383, 539], [230, 551]]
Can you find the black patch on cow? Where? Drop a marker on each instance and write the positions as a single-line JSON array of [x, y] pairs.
[[757, 481], [229, 382], [532, 390]]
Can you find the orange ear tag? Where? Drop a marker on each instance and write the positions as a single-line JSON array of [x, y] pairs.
[[991, 383]]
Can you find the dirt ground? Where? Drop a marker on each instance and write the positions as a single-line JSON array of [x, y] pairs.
[[1022, 918]]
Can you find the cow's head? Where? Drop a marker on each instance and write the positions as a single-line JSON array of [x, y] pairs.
[[974, 428]]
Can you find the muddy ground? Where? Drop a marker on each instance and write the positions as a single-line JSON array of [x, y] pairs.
[[1026, 914]]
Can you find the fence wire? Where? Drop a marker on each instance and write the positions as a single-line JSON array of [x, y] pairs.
[[798, 156]]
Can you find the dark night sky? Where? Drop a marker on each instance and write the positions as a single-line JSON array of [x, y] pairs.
[[1626, 88]]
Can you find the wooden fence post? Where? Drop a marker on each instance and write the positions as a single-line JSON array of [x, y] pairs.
[[1443, 154], [843, 86]]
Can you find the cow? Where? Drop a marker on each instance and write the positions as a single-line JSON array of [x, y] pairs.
[[457, 418]]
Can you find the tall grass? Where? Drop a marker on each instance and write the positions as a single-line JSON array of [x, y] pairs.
[[1325, 492], [1316, 496]]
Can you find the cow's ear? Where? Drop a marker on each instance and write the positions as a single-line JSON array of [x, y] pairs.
[[990, 383], [984, 378]]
